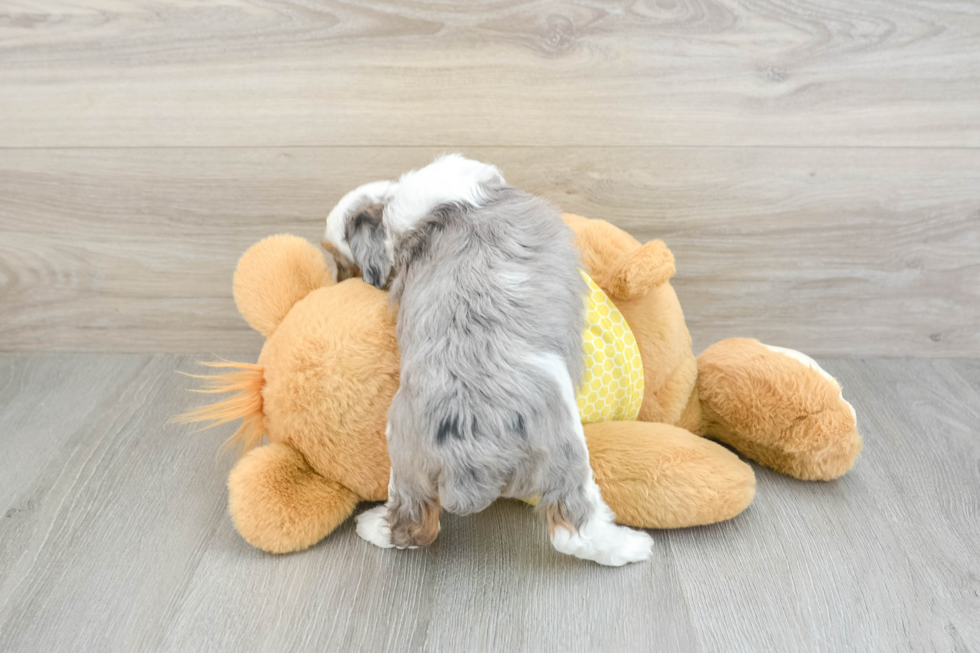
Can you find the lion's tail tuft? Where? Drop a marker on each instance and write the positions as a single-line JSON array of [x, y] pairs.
[[246, 380]]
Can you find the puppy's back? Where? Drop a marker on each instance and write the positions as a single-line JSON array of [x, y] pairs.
[[491, 303]]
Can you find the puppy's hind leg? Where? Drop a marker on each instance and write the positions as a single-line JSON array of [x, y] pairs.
[[410, 518], [579, 521], [413, 522], [401, 523], [582, 525]]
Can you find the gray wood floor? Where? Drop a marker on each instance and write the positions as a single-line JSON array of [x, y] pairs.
[[114, 537]]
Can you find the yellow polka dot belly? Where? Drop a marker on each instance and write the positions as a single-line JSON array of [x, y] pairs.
[[612, 385]]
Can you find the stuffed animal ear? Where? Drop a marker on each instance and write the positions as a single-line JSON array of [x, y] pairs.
[[366, 235], [648, 266], [273, 275]]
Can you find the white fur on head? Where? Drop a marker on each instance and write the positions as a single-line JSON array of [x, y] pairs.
[[450, 179], [376, 192]]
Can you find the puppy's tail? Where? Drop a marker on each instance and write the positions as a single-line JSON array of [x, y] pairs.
[[246, 380]]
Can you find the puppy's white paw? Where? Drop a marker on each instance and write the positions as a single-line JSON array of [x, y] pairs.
[[372, 526], [632, 546], [605, 543]]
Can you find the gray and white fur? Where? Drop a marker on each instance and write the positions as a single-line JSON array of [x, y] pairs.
[[491, 309]]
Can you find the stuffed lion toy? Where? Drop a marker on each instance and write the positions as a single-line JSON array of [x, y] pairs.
[[313, 408]]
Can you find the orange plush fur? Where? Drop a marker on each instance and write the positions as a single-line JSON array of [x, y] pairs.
[[325, 378]]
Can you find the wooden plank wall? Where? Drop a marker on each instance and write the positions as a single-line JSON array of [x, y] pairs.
[[815, 166]]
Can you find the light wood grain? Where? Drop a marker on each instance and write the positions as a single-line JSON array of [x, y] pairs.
[[512, 72], [830, 251], [814, 165], [115, 538]]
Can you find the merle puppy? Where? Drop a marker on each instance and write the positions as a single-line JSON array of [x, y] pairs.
[[491, 308]]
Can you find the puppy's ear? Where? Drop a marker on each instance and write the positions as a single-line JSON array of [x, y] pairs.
[[366, 236]]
